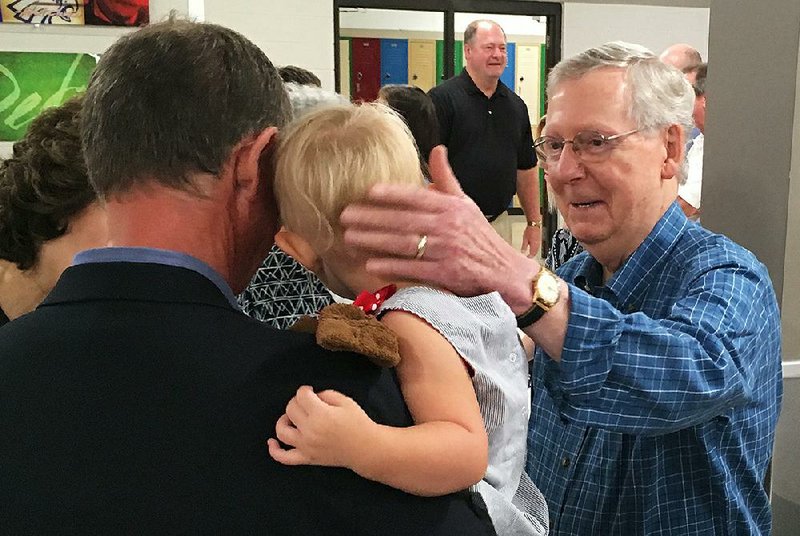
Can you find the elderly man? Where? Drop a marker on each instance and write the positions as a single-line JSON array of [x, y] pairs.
[[137, 398], [683, 57], [487, 131], [657, 377]]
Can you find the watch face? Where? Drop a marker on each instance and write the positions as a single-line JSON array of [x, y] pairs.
[[547, 287]]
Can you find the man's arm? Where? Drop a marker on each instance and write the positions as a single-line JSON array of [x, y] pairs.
[[621, 371], [528, 193], [634, 374], [444, 114]]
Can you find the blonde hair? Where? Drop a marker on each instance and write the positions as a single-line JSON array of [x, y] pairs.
[[330, 158]]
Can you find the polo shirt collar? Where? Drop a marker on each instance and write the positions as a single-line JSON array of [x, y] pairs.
[[630, 281], [474, 89]]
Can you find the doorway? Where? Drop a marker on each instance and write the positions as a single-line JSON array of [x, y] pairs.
[[420, 42]]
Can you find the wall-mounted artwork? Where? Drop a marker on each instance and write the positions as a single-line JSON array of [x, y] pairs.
[[33, 81], [76, 12]]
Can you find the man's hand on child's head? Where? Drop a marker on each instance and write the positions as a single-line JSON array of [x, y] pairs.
[[326, 428]]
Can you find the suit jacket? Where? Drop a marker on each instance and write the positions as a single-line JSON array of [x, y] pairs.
[[136, 399]]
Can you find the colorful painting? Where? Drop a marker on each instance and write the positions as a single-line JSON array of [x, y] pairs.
[[43, 11], [33, 81], [79, 12]]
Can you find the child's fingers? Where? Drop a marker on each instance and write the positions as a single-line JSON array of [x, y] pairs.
[[308, 401], [297, 415], [285, 456], [286, 432], [334, 398]]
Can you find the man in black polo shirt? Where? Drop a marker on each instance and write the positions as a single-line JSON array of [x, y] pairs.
[[486, 129]]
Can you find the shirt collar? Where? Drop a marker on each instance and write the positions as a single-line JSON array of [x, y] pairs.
[[474, 89], [157, 256], [628, 282]]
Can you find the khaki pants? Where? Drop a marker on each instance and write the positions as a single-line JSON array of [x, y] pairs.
[[502, 225]]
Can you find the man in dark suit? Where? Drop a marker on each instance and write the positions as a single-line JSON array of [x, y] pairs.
[[137, 398]]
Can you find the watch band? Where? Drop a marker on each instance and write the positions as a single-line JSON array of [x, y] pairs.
[[540, 304], [535, 224], [530, 316]]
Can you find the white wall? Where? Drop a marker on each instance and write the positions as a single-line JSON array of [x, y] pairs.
[[297, 33], [587, 25], [429, 21]]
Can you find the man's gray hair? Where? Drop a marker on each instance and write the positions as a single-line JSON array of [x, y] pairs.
[[659, 94], [304, 98]]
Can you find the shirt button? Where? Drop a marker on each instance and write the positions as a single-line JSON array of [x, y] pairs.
[[512, 357], [490, 112], [565, 461]]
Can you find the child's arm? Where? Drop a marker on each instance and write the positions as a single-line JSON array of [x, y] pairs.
[[445, 451]]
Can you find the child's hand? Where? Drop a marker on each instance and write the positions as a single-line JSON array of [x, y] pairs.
[[326, 428]]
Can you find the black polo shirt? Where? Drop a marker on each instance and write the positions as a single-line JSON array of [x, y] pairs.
[[487, 139]]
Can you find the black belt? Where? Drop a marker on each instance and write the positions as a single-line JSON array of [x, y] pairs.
[[490, 219]]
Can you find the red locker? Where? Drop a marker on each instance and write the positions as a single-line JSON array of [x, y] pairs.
[[366, 68]]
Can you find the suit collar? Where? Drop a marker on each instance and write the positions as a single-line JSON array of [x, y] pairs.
[[135, 281]]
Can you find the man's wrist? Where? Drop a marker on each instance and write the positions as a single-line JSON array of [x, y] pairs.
[[519, 294]]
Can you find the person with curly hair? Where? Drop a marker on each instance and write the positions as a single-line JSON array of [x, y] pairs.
[[48, 209]]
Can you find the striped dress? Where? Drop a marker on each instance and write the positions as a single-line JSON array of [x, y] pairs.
[[482, 330]]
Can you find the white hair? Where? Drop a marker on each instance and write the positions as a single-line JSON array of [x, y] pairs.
[[304, 98], [659, 94]]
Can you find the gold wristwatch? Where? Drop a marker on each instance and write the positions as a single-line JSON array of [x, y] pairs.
[[545, 295]]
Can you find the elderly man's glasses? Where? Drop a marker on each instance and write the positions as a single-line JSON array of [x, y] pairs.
[[590, 145]]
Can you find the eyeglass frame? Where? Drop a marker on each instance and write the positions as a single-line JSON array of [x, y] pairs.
[[541, 139]]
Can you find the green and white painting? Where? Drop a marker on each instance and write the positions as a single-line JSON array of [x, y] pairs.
[[33, 81]]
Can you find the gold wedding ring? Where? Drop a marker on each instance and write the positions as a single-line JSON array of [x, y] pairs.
[[421, 245]]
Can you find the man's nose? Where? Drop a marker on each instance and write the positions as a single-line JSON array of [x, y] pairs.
[[568, 166]]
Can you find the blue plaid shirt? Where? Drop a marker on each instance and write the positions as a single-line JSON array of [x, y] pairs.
[[661, 416]]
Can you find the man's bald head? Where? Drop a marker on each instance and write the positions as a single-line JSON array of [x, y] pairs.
[[684, 57]]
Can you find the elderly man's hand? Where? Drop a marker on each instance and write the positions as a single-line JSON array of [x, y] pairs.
[[462, 252]]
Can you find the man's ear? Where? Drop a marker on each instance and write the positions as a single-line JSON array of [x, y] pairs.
[[248, 158], [298, 248], [674, 143]]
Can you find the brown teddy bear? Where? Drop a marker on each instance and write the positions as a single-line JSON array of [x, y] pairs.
[[344, 327]]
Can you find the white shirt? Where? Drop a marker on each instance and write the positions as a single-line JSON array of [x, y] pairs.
[[690, 190]]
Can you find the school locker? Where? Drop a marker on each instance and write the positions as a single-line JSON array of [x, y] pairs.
[[528, 64], [422, 63], [365, 61], [458, 59], [344, 67], [509, 74], [394, 61]]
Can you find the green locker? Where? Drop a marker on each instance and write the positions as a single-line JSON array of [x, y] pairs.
[[458, 58]]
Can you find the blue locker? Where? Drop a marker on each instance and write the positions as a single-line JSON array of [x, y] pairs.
[[394, 61], [508, 77]]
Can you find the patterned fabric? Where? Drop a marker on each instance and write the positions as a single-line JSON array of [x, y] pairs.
[[482, 330], [282, 291], [564, 246], [369, 302], [660, 417]]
